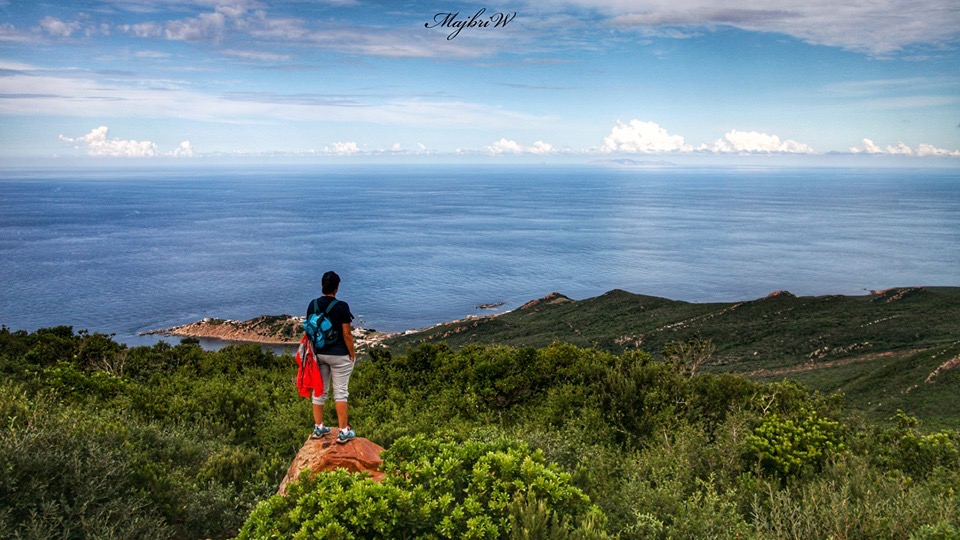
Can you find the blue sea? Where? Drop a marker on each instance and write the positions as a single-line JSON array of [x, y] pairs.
[[123, 251]]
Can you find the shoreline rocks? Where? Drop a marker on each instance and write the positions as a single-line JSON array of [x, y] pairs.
[[264, 330]]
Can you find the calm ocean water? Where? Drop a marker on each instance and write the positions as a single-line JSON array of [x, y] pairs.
[[123, 251]]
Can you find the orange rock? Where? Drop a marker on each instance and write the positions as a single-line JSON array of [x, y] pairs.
[[326, 455]]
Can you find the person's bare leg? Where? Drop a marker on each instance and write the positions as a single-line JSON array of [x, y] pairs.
[[342, 419], [317, 414]]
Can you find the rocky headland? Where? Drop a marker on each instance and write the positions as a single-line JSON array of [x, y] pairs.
[[288, 330], [265, 329]]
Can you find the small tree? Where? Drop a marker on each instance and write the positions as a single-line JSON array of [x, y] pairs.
[[689, 355]]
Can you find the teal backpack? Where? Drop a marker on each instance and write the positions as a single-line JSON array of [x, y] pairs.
[[319, 327]]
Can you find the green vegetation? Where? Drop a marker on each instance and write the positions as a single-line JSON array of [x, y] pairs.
[[435, 488], [879, 350], [103, 441]]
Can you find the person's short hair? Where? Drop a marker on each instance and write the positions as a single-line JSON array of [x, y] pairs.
[[329, 282]]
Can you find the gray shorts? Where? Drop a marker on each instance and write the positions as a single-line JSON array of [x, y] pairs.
[[339, 369]]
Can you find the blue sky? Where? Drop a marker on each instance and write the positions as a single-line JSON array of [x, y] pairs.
[[563, 80]]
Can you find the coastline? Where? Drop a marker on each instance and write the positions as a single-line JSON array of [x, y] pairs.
[[268, 330], [287, 330]]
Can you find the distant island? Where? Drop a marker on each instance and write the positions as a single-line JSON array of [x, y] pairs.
[[630, 163]]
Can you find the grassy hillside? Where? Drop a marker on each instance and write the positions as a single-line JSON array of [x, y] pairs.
[[879, 349]]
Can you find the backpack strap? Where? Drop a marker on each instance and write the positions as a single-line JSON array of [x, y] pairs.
[[316, 306]]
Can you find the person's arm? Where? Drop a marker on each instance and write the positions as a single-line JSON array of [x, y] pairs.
[[348, 339]]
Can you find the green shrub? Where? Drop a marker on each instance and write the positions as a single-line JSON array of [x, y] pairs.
[[98, 440], [641, 396], [434, 488], [788, 447], [108, 442], [850, 500], [940, 531], [676, 489], [906, 448], [61, 480], [713, 398]]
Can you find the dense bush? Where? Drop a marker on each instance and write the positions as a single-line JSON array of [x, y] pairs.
[[102, 441], [851, 499], [171, 441], [435, 488], [917, 454], [787, 447]]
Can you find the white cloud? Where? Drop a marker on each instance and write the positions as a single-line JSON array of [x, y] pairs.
[[885, 87], [868, 148], [505, 146], [206, 26], [57, 28], [931, 150], [152, 54], [143, 30], [342, 148], [9, 33], [211, 26], [88, 94], [98, 145], [540, 147], [184, 150], [754, 142], [642, 138], [258, 56], [276, 28], [878, 27], [233, 11], [258, 24], [901, 149]]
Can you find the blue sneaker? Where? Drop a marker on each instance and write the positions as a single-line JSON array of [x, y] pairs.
[[319, 432], [346, 434]]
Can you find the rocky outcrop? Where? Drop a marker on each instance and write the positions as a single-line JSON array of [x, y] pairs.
[[893, 295], [326, 454], [265, 329], [953, 363], [552, 298]]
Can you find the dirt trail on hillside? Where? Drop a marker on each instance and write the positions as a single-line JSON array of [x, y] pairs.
[[813, 366]]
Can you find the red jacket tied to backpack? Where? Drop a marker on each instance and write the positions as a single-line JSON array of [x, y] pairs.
[[308, 373]]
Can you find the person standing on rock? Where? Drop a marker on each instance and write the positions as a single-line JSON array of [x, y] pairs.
[[336, 359]]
